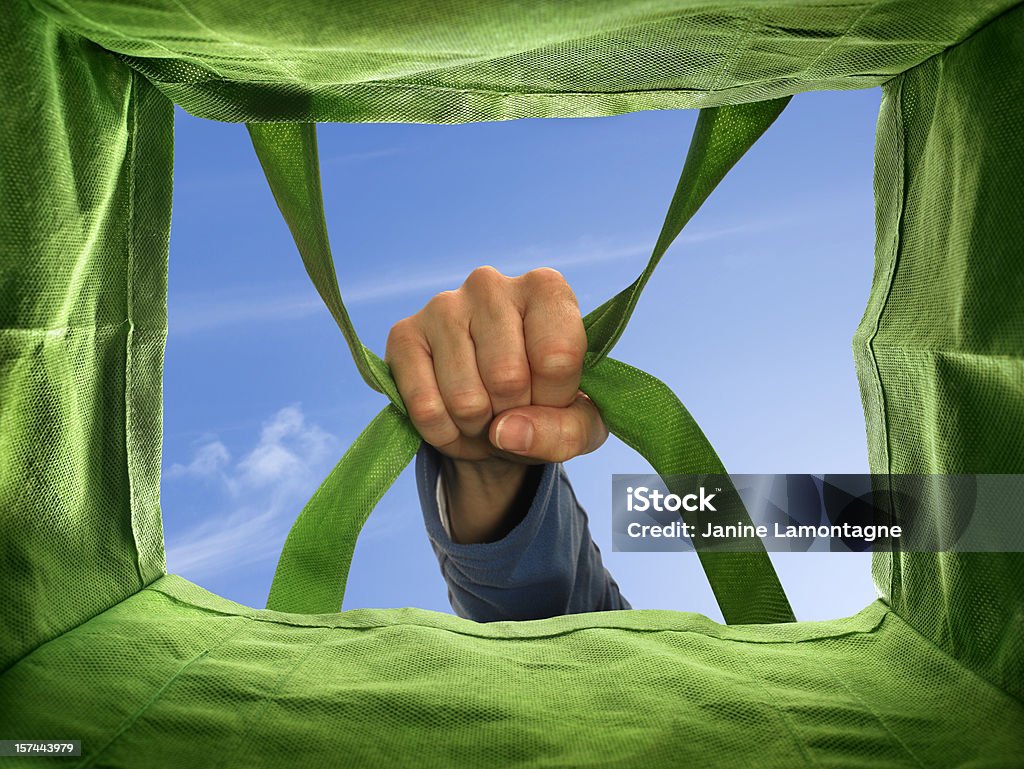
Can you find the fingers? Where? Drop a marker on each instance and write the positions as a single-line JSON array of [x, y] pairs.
[[555, 339], [494, 345], [550, 433], [496, 327], [455, 366], [408, 354]]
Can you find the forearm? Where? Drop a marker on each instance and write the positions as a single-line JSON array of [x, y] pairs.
[[546, 564]]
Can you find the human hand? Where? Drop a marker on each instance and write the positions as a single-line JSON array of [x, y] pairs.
[[490, 376]]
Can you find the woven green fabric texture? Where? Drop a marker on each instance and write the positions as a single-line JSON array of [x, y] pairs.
[[468, 60], [85, 195], [148, 670], [940, 351], [176, 676]]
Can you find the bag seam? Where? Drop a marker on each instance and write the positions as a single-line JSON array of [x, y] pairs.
[[625, 628], [129, 722], [828, 671]]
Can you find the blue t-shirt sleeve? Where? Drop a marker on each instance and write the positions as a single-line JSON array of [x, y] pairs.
[[546, 566]]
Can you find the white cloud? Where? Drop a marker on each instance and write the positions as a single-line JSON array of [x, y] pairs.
[[288, 448], [204, 312], [259, 494], [216, 309], [208, 462]]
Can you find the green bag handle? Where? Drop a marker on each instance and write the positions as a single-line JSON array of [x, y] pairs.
[[637, 407]]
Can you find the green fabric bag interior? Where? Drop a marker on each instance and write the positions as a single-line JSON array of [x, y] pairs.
[[98, 643]]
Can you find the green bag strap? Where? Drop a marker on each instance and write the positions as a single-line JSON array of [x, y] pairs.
[[313, 568], [721, 137], [637, 407], [288, 154], [644, 413]]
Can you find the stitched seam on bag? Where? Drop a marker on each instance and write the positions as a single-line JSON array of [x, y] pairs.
[[957, 43], [244, 740], [829, 82], [129, 379], [755, 678], [884, 439], [416, 87], [892, 252], [263, 51], [626, 29], [128, 722], [837, 40], [829, 671], [952, 354], [65, 331], [959, 663], [618, 29], [99, 25], [738, 51], [625, 628]]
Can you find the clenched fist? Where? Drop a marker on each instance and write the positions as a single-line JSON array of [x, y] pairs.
[[490, 375]]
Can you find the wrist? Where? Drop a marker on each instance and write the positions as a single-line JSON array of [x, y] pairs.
[[491, 471], [487, 498]]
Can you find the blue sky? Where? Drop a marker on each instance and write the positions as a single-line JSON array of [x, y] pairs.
[[748, 318]]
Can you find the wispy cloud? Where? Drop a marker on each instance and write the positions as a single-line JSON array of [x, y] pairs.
[[253, 498], [209, 461], [204, 312], [518, 262], [581, 254]]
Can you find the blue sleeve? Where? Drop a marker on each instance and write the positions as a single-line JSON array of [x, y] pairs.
[[546, 566]]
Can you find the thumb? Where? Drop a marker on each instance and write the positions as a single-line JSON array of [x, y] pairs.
[[549, 433]]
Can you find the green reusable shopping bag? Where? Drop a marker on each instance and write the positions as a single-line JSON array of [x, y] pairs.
[[147, 669]]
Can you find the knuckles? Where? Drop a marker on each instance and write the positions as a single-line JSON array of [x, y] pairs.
[[559, 359], [403, 337], [556, 356], [485, 279], [469, 405], [507, 381], [548, 283], [546, 278], [426, 410], [447, 307]]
